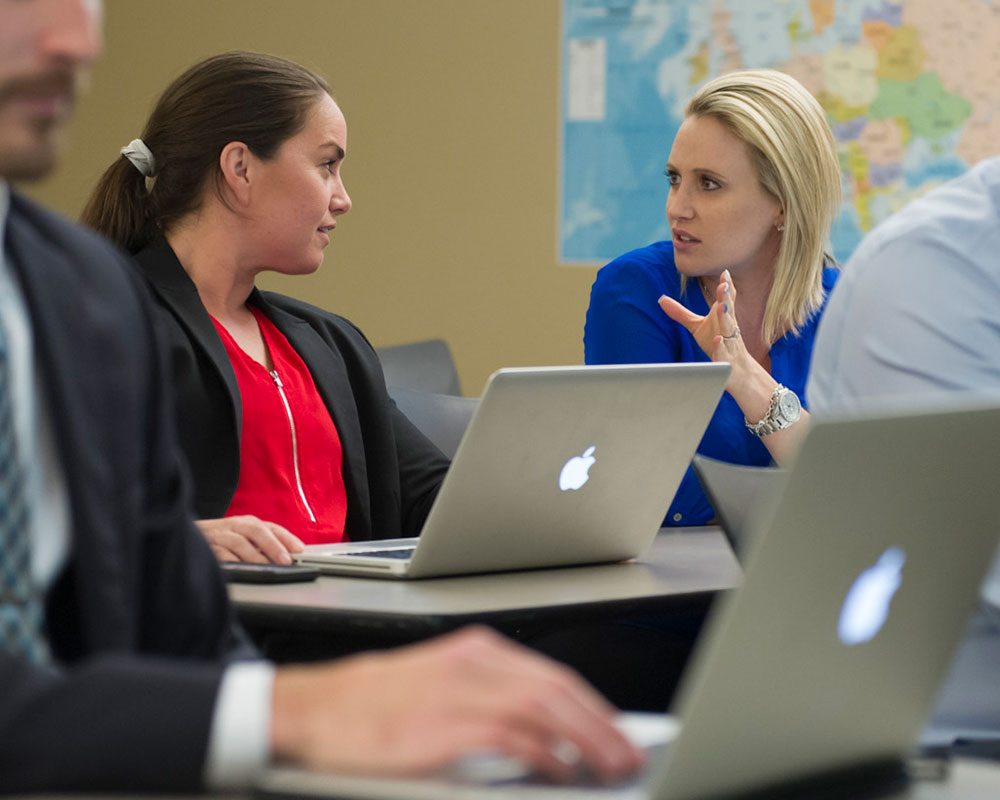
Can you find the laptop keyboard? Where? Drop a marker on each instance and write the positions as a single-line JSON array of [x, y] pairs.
[[401, 553]]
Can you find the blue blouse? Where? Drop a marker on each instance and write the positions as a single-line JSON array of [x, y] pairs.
[[625, 325]]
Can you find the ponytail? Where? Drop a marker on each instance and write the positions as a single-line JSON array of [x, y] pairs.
[[119, 207]]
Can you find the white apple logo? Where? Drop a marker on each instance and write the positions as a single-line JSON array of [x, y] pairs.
[[575, 471], [866, 605]]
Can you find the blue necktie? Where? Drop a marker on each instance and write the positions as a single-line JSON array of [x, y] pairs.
[[21, 602]]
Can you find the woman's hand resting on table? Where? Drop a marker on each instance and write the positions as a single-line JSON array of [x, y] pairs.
[[248, 538]]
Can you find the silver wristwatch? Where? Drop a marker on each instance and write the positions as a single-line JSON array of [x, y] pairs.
[[785, 410]]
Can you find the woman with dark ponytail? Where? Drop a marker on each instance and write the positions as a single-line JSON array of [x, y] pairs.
[[282, 407]]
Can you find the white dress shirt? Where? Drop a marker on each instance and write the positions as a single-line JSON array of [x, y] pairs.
[[47, 492]]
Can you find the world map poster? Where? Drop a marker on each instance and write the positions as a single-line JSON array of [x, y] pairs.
[[910, 88]]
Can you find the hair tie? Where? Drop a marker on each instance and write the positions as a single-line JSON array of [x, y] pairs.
[[140, 156]]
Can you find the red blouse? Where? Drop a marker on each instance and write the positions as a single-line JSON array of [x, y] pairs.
[[290, 455]]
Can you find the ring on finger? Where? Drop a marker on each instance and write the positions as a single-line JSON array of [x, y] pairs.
[[734, 335]]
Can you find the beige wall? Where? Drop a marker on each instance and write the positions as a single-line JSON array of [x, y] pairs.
[[452, 108]]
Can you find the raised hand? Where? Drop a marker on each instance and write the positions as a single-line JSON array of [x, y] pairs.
[[716, 332]]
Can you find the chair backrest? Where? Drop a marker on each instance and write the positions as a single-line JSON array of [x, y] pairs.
[[442, 418], [426, 365]]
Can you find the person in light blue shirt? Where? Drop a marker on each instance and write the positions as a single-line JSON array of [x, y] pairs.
[[754, 188], [915, 321], [917, 313]]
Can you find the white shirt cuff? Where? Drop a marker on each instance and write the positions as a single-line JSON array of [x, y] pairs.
[[239, 742]]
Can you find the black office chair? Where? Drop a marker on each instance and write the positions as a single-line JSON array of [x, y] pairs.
[[426, 365], [442, 418]]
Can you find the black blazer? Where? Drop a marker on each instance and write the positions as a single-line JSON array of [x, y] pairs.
[[392, 472], [140, 619]]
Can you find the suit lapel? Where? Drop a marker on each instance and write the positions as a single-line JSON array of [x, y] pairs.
[[177, 291], [54, 291]]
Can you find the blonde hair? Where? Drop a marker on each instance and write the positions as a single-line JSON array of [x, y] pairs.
[[795, 157]]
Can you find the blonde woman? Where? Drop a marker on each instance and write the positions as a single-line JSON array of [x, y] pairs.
[[754, 188]]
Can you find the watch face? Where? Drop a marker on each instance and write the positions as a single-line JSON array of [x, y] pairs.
[[789, 407]]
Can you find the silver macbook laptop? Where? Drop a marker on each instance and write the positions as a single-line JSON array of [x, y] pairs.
[[558, 466], [825, 662]]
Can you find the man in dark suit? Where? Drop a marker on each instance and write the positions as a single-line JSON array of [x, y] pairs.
[[119, 657]]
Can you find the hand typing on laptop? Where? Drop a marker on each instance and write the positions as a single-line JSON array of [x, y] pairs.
[[422, 707]]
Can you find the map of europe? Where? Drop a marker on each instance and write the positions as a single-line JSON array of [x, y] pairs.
[[911, 89]]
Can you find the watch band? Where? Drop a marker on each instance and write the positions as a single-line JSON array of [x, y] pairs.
[[773, 420]]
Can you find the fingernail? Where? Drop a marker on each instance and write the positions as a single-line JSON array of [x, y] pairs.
[[725, 307]]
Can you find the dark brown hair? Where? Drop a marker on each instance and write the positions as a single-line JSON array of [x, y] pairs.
[[257, 99]]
